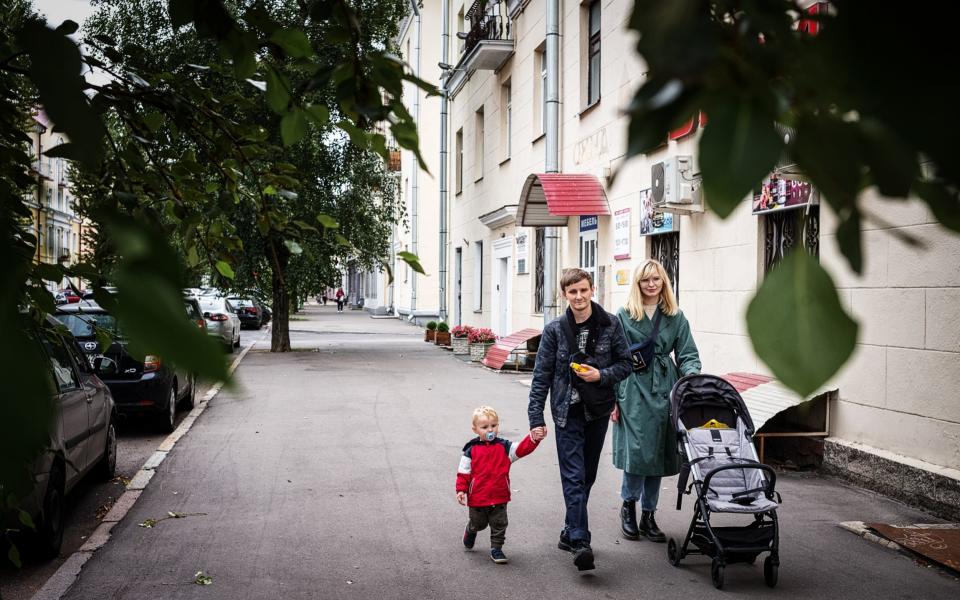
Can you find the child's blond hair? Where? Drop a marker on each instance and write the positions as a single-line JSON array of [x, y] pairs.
[[485, 412]]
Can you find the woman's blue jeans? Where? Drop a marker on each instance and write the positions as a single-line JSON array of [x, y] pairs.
[[645, 488]]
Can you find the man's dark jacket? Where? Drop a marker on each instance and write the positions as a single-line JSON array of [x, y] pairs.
[[553, 373]]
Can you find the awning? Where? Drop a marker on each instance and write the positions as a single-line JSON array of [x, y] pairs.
[[764, 396], [501, 350], [548, 199]]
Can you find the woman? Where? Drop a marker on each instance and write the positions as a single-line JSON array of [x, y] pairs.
[[644, 446]]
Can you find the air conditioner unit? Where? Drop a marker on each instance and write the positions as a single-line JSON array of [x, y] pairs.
[[674, 187]]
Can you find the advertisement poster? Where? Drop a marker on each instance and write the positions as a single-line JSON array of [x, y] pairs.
[[654, 222], [778, 194], [521, 238], [621, 234]]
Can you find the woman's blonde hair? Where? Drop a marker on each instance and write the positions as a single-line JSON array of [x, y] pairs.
[[668, 301]]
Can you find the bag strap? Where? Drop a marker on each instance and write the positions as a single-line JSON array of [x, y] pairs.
[[572, 346], [656, 325]]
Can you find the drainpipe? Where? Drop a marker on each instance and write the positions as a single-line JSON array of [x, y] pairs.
[[415, 188], [445, 54], [552, 162]]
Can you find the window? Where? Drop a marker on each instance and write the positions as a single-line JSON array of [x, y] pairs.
[[538, 284], [478, 146], [458, 157], [593, 53], [478, 276], [61, 365], [461, 28], [666, 249], [506, 119], [783, 230], [540, 90]]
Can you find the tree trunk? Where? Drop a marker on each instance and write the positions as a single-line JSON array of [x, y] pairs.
[[280, 334]]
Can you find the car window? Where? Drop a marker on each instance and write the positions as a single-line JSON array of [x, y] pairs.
[[229, 306], [240, 302], [208, 305], [192, 311], [79, 358], [84, 325], [61, 364]]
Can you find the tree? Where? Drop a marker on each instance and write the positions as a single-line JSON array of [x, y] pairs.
[[870, 103]]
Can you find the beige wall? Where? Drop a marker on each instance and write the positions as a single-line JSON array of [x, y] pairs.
[[898, 393]]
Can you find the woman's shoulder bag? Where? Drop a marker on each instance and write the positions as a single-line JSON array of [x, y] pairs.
[[641, 353]]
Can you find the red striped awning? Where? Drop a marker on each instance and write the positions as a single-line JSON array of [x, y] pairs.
[[501, 349], [548, 199]]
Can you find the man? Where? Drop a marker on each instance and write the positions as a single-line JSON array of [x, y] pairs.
[[580, 401]]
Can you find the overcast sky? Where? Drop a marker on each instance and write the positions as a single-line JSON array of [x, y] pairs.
[[58, 11]]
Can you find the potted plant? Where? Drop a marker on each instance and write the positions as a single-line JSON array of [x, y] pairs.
[[431, 332], [443, 334], [480, 341], [461, 345]]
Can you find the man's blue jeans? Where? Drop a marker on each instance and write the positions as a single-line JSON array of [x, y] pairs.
[[645, 488], [579, 445]]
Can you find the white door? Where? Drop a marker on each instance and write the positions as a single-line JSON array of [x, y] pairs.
[[588, 253], [502, 272], [503, 318], [457, 277]]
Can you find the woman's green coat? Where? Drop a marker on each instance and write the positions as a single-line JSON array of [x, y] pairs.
[[644, 443]]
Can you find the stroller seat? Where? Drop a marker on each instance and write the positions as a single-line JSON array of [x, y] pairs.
[[733, 490]]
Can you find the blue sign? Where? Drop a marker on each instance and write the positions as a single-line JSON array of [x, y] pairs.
[[654, 222], [588, 223]]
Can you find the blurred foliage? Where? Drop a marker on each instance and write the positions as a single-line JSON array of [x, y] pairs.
[[867, 91]]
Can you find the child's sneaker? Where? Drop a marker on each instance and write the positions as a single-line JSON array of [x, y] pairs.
[[498, 556], [469, 537]]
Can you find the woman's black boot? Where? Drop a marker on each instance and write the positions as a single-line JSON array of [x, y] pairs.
[[628, 520], [648, 527]]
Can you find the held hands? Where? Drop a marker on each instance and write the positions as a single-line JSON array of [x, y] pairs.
[[588, 373], [462, 498], [538, 433]]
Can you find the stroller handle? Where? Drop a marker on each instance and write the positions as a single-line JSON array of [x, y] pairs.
[[768, 470]]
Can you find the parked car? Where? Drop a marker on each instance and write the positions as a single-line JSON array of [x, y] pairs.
[[194, 312], [222, 321], [249, 310], [83, 438], [267, 313], [150, 388], [66, 296]]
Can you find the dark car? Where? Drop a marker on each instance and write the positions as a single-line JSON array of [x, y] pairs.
[[149, 388], [83, 436], [250, 311]]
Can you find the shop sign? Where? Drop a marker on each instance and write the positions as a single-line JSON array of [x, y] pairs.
[[621, 234], [523, 257], [654, 222], [623, 277], [588, 223], [777, 193]]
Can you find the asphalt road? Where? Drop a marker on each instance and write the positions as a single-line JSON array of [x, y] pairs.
[[90, 500], [329, 473]]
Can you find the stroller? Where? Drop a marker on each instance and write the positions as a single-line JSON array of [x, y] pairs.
[[714, 437]]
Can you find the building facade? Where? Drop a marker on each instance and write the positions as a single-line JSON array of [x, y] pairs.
[[900, 385]]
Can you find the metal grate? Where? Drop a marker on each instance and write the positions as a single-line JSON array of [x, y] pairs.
[[538, 289], [783, 228], [666, 249]]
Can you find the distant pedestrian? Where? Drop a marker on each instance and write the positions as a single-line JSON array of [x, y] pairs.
[[644, 446], [483, 478], [582, 355], [341, 298], [323, 298]]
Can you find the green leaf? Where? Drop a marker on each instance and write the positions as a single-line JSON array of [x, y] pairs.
[[26, 519], [153, 120], [13, 555], [341, 240], [944, 202], [293, 247], [797, 325], [104, 339], [327, 221], [293, 41], [181, 13], [413, 260], [225, 269], [305, 226], [68, 27], [319, 114], [848, 238], [49, 272], [293, 127], [278, 91], [738, 149]]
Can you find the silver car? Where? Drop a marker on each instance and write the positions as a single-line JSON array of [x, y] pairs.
[[222, 321]]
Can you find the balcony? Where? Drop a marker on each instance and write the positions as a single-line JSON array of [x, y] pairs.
[[38, 167], [486, 45]]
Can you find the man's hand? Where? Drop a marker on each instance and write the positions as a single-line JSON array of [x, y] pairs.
[[538, 433], [462, 498], [588, 373], [615, 415]]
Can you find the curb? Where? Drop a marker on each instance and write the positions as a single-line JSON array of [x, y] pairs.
[[63, 578]]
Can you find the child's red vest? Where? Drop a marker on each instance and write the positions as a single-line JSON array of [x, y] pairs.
[[484, 472]]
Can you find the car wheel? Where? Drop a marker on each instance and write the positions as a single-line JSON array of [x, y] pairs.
[[168, 418], [189, 401], [228, 346], [107, 467], [49, 534], [236, 343]]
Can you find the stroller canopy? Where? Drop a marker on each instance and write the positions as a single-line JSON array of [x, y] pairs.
[[696, 399]]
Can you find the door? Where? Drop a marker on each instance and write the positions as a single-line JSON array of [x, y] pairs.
[[502, 272], [457, 278], [502, 316], [73, 406], [98, 405], [588, 253]]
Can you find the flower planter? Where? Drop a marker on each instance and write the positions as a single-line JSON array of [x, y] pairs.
[[461, 345], [430, 335], [478, 351], [443, 338]]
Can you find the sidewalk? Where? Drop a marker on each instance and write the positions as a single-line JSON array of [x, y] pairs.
[[329, 473]]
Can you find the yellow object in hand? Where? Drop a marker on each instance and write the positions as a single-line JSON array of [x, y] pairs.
[[578, 367]]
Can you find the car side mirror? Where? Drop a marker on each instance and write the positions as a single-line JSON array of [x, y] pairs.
[[206, 315], [104, 366]]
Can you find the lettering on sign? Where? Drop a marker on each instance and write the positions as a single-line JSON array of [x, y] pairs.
[[591, 147], [588, 223]]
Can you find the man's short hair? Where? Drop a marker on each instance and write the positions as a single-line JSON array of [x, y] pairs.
[[485, 412], [572, 276]]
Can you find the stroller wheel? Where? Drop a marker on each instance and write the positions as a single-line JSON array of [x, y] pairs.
[[770, 569], [673, 553], [716, 573]]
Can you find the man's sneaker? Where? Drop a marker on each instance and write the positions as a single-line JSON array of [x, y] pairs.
[[498, 556], [469, 537], [565, 544], [583, 557]]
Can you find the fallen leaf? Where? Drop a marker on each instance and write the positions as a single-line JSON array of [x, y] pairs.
[[202, 579], [149, 523]]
